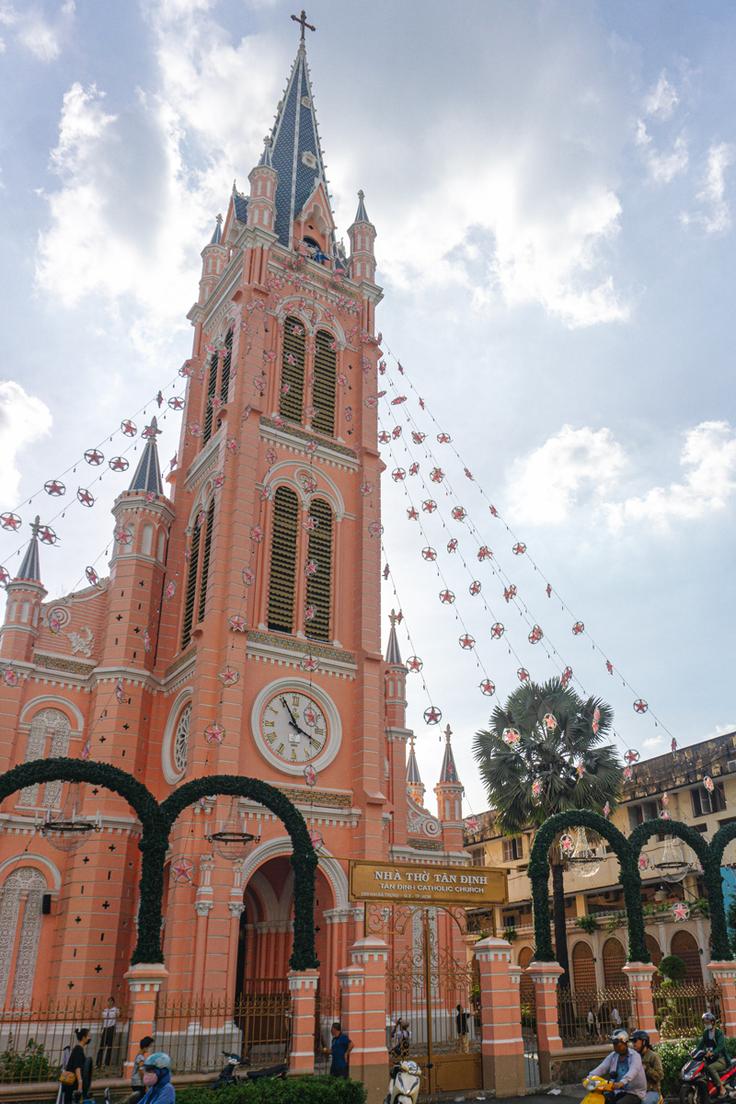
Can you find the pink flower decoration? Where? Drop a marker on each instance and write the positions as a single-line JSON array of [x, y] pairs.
[[170, 589], [256, 534], [249, 576]]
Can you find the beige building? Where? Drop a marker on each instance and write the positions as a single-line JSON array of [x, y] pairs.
[[596, 923]]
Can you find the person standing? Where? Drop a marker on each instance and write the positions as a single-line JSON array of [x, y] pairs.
[[137, 1087], [461, 1026], [77, 1063], [400, 1037], [109, 1022], [339, 1051]]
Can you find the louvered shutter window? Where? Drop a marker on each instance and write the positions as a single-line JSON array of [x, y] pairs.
[[226, 366], [325, 378], [319, 585], [283, 561], [211, 392], [191, 591], [291, 397], [207, 548]]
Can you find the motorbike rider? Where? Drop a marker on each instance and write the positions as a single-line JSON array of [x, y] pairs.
[[713, 1042], [623, 1067], [157, 1079], [652, 1064]]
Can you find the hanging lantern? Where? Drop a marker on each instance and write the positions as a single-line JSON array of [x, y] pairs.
[[672, 865], [231, 841], [586, 856], [67, 829]]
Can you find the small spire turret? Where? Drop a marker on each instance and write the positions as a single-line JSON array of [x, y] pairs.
[[30, 568], [449, 793], [217, 232], [147, 475], [414, 783]]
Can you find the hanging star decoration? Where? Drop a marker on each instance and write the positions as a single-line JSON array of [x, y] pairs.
[[466, 641], [484, 553], [640, 706], [447, 597], [487, 688], [607, 810], [566, 678], [632, 756], [54, 487], [643, 862], [680, 911], [228, 676], [214, 733], [578, 628], [595, 723], [567, 843], [452, 545], [429, 554], [120, 692], [536, 789], [432, 715], [92, 576], [550, 722], [509, 592], [182, 871], [414, 664], [237, 623], [475, 587], [511, 737], [170, 589], [497, 630], [519, 548], [709, 783], [535, 635], [310, 775], [522, 674]]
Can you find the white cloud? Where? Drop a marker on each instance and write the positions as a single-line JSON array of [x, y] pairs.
[[662, 167], [662, 99], [23, 420], [714, 216], [652, 741], [708, 460], [574, 467], [41, 37]]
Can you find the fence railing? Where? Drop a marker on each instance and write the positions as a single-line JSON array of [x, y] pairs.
[[196, 1032], [35, 1041], [589, 1016], [678, 1008]]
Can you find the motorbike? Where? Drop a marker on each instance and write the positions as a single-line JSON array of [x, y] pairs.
[[232, 1072], [597, 1088], [695, 1086], [404, 1083]]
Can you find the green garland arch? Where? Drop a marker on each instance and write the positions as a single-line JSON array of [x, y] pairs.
[[628, 852], [157, 821], [539, 875], [303, 857]]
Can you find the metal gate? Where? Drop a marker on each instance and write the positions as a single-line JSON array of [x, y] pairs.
[[434, 1016]]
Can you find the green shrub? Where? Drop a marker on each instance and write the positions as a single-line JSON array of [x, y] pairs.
[[290, 1090], [673, 968], [31, 1064], [587, 924]]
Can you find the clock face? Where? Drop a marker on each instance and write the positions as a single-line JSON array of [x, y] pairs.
[[293, 726]]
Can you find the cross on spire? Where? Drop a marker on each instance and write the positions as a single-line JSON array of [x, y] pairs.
[[393, 618], [35, 525], [302, 21], [448, 733]]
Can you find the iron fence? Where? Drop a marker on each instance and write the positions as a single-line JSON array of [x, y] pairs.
[[257, 1026], [589, 1016], [678, 1008], [35, 1041]]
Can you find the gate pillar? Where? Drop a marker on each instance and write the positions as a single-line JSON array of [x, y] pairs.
[[303, 990], [364, 1009], [501, 1045], [725, 974], [545, 976], [144, 982], [639, 975]]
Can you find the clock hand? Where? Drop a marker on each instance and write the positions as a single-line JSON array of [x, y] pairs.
[[294, 723]]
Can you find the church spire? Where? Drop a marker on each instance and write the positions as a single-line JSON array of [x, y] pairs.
[[295, 149], [449, 773], [148, 473], [30, 568], [361, 215], [414, 783], [393, 655], [217, 233]]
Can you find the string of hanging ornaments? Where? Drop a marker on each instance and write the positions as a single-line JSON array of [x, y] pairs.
[[399, 402], [67, 828]]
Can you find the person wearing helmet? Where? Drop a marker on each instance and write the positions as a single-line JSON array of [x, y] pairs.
[[157, 1079], [713, 1042], [624, 1069], [652, 1064]]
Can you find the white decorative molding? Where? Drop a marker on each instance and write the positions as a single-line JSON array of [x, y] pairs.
[[82, 644], [171, 774], [329, 866]]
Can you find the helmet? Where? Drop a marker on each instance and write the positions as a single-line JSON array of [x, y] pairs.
[[620, 1035], [158, 1061], [640, 1034], [708, 1017]]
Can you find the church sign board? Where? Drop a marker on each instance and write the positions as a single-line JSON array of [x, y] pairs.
[[470, 886]]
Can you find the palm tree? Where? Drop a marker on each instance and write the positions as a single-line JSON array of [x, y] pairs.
[[544, 754]]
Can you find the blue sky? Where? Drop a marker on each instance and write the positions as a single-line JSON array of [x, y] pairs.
[[554, 188]]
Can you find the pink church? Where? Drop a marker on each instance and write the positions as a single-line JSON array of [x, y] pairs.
[[238, 632]]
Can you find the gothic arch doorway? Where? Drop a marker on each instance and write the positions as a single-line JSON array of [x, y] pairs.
[[583, 968], [21, 898]]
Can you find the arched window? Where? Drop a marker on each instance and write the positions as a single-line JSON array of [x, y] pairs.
[[180, 745], [583, 968], [48, 736], [283, 561], [147, 540], [227, 362], [20, 931], [200, 548], [325, 379], [614, 961], [685, 947], [291, 397], [319, 583], [211, 392]]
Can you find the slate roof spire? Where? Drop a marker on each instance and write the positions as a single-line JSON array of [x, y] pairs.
[[449, 770], [413, 776], [30, 568], [148, 473], [217, 233], [361, 215], [295, 149]]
